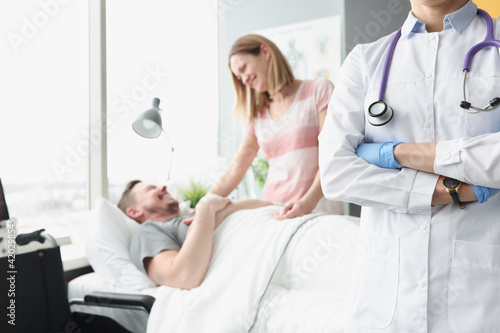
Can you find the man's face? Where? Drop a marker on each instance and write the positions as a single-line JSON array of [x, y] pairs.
[[154, 201]]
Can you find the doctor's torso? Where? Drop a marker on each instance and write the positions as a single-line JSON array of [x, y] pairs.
[[428, 271]]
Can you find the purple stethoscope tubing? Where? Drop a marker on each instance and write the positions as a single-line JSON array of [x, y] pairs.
[[488, 41], [387, 64]]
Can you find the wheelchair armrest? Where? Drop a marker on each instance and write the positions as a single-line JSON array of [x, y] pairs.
[[145, 301]]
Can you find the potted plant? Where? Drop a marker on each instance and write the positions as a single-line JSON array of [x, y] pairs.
[[194, 192], [260, 166]]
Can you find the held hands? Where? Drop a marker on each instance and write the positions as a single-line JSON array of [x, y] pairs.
[[214, 201], [211, 201], [379, 154]]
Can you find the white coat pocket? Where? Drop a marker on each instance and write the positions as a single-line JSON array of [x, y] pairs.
[[474, 288], [377, 275]]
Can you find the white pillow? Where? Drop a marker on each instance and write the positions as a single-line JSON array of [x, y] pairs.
[[81, 225], [107, 250]]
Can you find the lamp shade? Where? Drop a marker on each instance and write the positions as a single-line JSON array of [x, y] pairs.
[[148, 124]]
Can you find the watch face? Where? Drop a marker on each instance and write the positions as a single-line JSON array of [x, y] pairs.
[[450, 182]]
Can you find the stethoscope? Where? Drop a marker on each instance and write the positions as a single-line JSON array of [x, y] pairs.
[[379, 113]]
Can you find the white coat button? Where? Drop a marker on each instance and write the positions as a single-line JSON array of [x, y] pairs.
[[423, 226], [427, 124], [421, 284], [429, 75], [432, 36]]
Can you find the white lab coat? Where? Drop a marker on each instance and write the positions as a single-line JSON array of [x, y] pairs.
[[420, 268]]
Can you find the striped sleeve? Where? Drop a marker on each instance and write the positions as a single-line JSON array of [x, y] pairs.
[[323, 91]]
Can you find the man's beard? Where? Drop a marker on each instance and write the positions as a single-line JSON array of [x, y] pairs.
[[173, 207]]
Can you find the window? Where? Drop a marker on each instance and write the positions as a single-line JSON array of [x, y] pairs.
[[154, 49], [44, 108], [168, 50]]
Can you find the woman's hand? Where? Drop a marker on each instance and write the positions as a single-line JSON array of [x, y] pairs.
[[214, 202], [294, 209], [211, 201]]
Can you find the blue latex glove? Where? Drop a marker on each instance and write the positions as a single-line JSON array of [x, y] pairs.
[[369, 152], [484, 193], [379, 154]]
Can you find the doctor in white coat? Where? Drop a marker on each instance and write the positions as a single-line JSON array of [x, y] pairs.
[[423, 263]]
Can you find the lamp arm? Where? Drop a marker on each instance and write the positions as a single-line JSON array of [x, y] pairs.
[[172, 154]]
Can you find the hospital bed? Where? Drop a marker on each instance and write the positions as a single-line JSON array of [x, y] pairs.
[[265, 275]]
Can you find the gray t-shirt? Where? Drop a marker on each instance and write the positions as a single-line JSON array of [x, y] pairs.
[[150, 238]]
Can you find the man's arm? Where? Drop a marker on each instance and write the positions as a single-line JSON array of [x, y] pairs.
[[233, 207], [186, 268], [239, 205]]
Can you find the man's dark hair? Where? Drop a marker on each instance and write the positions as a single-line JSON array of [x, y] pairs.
[[127, 200]]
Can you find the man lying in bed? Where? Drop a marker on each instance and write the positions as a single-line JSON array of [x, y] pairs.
[[171, 252]]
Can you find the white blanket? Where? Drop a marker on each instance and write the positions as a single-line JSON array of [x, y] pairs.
[[247, 248], [310, 289]]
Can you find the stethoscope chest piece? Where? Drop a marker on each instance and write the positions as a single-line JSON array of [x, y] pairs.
[[379, 113]]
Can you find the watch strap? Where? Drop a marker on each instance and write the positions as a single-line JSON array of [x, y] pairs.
[[456, 199], [454, 196], [454, 192]]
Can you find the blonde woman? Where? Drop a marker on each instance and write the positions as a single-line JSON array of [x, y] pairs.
[[284, 117]]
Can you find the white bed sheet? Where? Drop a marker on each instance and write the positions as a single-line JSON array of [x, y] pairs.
[[311, 287]]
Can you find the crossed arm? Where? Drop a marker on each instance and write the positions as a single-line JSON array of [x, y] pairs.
[[421, 156], [186, 268], [417, 156]]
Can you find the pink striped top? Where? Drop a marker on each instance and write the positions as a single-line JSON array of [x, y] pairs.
[[290, 143]]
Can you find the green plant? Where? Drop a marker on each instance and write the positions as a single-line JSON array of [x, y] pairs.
[[260, 166], [194, 192]]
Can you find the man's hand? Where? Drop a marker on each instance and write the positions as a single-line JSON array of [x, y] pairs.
[[188, 221]]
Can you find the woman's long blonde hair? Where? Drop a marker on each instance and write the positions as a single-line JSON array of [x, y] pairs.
[[279, 75]]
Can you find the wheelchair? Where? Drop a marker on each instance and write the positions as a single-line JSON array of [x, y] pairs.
[[34, 297]]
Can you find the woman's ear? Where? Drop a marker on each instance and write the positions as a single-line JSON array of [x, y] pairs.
[[265, 51]]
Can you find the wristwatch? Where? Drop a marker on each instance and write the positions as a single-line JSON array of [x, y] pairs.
[[452, 186]]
